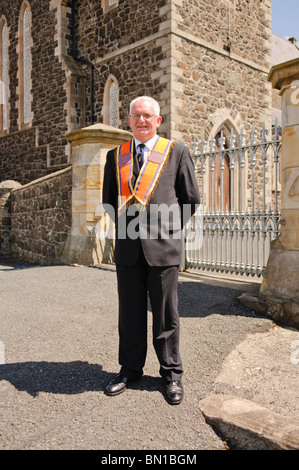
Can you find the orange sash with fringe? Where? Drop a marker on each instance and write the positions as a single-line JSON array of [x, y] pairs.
[[149, 175]]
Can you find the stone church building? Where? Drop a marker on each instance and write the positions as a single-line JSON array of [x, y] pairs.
[[69, 64]]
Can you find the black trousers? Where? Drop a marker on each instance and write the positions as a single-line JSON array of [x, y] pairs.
[[134, 282]]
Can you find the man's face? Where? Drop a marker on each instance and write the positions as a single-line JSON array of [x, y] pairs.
[[143, 120]]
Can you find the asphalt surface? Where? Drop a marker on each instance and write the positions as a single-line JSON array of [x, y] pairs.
[[58, 349]]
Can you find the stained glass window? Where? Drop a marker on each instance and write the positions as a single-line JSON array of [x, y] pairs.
[[113, 105]]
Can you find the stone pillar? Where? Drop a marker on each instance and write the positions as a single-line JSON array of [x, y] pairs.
[[85, 244], [280, 285]]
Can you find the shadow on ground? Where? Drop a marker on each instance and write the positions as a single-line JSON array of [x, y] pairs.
[[65, 378]]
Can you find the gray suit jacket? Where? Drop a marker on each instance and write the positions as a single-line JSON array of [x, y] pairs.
[[158, 229]]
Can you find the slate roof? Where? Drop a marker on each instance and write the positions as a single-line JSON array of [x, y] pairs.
[[283, 50]]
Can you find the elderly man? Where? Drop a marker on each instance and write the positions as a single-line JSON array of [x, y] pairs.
[[152, 177]]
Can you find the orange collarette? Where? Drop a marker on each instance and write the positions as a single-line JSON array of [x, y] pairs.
[[149, 175]]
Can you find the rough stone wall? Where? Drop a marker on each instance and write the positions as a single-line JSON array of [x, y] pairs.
[[130, 45], [245, 24], [222, 59], [21, 159], [48, 79], [131, 83], [213, 89], [41, 218]]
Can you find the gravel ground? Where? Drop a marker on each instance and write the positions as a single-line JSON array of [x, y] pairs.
[[59, 349]]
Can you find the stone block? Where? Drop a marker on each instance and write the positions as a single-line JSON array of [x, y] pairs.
[[280, 279], [249, 426]]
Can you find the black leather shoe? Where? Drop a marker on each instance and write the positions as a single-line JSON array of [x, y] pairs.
[[174, 392], [117, 385]]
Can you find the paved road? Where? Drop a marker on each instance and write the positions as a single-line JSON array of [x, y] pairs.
[[58, 349]]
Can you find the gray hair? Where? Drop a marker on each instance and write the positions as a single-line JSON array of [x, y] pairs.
[[149, 98]]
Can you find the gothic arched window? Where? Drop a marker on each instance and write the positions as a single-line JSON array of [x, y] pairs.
[[111, 102], [24, 71], [3, 75], [27, 63]]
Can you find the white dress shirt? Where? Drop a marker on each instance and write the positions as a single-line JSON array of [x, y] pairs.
[[148, 146]]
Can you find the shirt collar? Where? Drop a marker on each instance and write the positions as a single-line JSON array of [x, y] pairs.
[[149, 144]]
